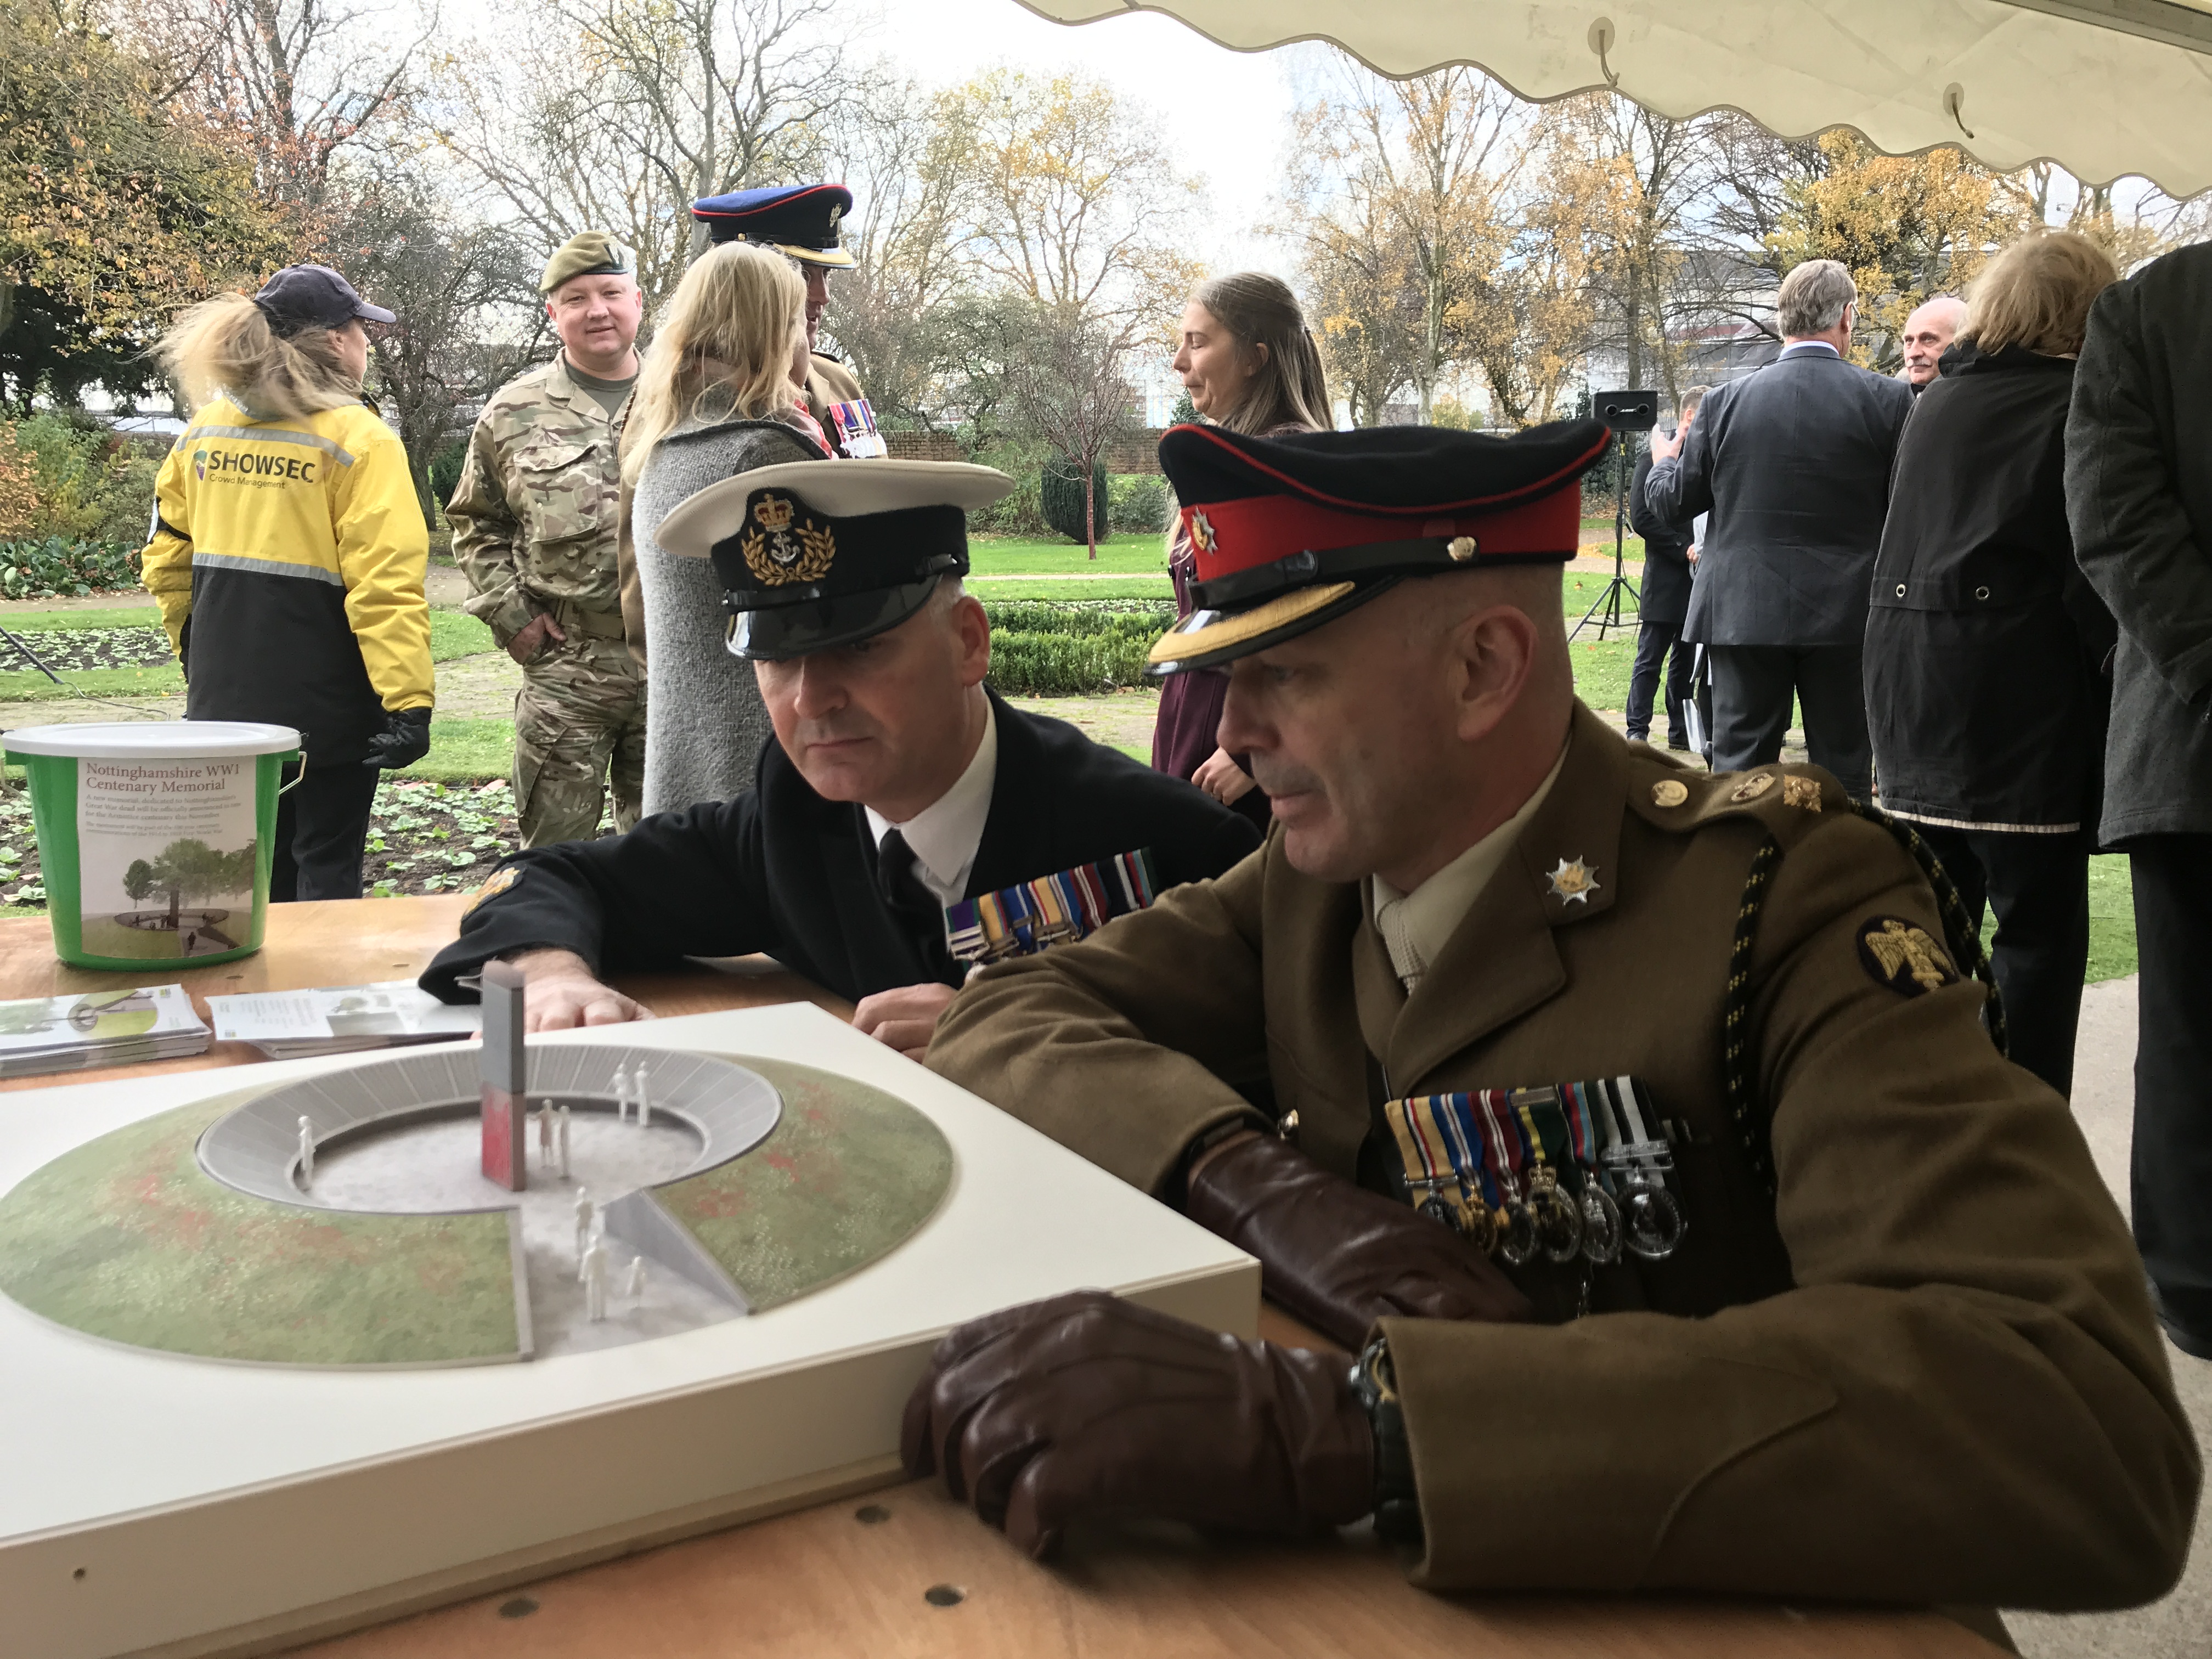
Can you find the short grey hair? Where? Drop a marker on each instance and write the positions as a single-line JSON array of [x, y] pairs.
[[1813, 298]]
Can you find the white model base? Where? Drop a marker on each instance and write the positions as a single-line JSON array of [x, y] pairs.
[[157, 1505]]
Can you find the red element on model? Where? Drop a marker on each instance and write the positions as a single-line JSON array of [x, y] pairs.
[[505, 1069]]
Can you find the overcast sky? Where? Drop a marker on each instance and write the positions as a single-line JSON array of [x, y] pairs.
[[1225, 114]]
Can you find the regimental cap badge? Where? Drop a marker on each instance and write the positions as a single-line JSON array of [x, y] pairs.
[[1752, 787], [793, 550], [1201, 533], [1903, 957], [1573, 881], [500, 881], [1801, 792]]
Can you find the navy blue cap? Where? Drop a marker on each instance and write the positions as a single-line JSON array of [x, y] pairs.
[[800, 219], [313, 296]]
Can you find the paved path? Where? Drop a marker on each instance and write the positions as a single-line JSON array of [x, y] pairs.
[[2180, 1626]]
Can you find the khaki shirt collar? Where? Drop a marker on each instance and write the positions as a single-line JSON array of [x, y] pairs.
[[1417, 926], [1500, 961]]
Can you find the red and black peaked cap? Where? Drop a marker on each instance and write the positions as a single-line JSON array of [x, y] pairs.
[[1290, 533]]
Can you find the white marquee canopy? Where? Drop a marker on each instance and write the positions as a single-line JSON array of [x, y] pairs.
[[2103, 87]]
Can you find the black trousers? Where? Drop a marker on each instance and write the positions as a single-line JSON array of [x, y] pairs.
[[1752, 685], [2171, 1165], [2038, 886], [321, 822], [1656, 641]]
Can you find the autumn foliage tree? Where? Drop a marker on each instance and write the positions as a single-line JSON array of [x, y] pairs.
[[117, 206]]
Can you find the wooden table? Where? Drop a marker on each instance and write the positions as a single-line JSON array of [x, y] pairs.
[[906, 1572]]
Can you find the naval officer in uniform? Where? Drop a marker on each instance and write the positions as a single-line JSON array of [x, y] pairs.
[[898, 785], [1772, 1275]]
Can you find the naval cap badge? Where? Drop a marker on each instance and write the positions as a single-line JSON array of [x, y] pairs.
[[1573, 882]]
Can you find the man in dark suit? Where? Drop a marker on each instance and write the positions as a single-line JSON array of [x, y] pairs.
[[1662, 603], [1793, 464], [897, 785]]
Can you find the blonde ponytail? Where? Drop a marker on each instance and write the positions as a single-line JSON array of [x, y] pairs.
[[225, 346]]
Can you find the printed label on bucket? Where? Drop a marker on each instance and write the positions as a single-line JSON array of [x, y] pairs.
[[166, 856]]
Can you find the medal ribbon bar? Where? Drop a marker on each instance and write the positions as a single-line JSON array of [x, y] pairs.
[[1055, 909]]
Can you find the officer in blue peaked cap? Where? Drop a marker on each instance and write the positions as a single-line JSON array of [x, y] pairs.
[[801, 222]]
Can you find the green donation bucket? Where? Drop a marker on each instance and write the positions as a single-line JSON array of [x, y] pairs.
[[154, 838]]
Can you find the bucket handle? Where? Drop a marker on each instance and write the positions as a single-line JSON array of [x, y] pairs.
[[298, 777]]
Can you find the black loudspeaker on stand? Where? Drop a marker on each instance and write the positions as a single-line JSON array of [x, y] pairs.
[[1627, 413]]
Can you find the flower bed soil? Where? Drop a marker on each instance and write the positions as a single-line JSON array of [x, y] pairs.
[[89, 648]]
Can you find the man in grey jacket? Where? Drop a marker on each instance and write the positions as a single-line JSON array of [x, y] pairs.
[[1793, 465], [2139, 502]]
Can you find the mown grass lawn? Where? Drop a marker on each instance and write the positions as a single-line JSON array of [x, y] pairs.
[[1126, 555]]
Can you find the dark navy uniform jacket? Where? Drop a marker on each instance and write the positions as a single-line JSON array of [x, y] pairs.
[[781, 869]]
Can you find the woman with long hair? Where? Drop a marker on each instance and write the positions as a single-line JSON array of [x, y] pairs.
[[1987, 694], [287, 553], [1249, 364], [721, 392]]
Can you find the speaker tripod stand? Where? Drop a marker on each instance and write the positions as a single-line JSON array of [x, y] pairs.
[[1606, 611]]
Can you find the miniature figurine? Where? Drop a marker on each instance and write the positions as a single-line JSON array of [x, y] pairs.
[[636, 1280], [583, 1224], [560, 1141], [621, 1087], [306, 1153], [644, 1107], [504, 1067], [595, 1281], [544, 1115]]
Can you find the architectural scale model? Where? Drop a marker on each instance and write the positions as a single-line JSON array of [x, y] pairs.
[[290, 1347]]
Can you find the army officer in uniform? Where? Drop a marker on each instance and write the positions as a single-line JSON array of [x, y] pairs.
[[898, 784], [1637, 1128]]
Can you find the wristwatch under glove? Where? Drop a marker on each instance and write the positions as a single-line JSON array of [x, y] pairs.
[[405, 740], [1336, 1255], [1397, 1506], [1086, 1404]]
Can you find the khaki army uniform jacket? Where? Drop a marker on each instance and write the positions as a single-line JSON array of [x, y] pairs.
[[534, 515], [1922, 1369]]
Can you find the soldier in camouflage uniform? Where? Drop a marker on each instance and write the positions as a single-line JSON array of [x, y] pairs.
[[534, 519]]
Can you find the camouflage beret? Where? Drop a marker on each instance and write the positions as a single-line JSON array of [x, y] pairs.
[[592, 253]]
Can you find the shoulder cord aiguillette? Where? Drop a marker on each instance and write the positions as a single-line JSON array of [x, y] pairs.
[[1964, 941]]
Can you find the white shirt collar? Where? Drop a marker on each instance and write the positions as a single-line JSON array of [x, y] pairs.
[[1417, 926], [1796, 346], [946, 834]]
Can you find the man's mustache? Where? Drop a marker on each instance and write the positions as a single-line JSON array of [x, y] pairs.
[[1277, 777]]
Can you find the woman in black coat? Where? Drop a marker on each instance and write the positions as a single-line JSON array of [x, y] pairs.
[[1985, 651]]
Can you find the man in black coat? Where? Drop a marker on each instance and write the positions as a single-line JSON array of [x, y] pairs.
[[1793, 464], [1662, 603], [897, 785], [2139, 497]]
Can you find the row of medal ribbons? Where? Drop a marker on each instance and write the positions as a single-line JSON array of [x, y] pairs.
[[1055, 909], [1562, 1170]]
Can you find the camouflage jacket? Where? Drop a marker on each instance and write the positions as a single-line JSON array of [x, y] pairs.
[[535, 513]]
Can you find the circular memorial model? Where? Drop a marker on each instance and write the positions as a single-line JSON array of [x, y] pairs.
[[356, 1217], [154, 837]]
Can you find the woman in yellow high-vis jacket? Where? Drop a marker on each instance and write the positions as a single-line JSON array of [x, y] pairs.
[[287, 553]]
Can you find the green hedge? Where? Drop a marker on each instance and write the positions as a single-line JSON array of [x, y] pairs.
[[1041, 648], [42, 571]]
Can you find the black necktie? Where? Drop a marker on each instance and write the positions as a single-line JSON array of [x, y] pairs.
[[915, 908]]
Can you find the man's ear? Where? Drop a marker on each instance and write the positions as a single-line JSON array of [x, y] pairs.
[[1496, 650], [971, 627]]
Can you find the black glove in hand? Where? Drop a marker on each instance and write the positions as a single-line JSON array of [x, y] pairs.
[[1338, 1256], [1088, 1404], [405, 740]]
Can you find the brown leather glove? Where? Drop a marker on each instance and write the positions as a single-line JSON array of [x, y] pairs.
[[1088, 1404], [1338, 1256]]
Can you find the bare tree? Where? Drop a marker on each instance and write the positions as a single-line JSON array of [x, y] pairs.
[[307, 82], [1066, 381], [616, 115], [459, 291]]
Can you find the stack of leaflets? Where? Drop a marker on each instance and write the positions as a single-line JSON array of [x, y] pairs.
[[338, 1019], [98, 1027]]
